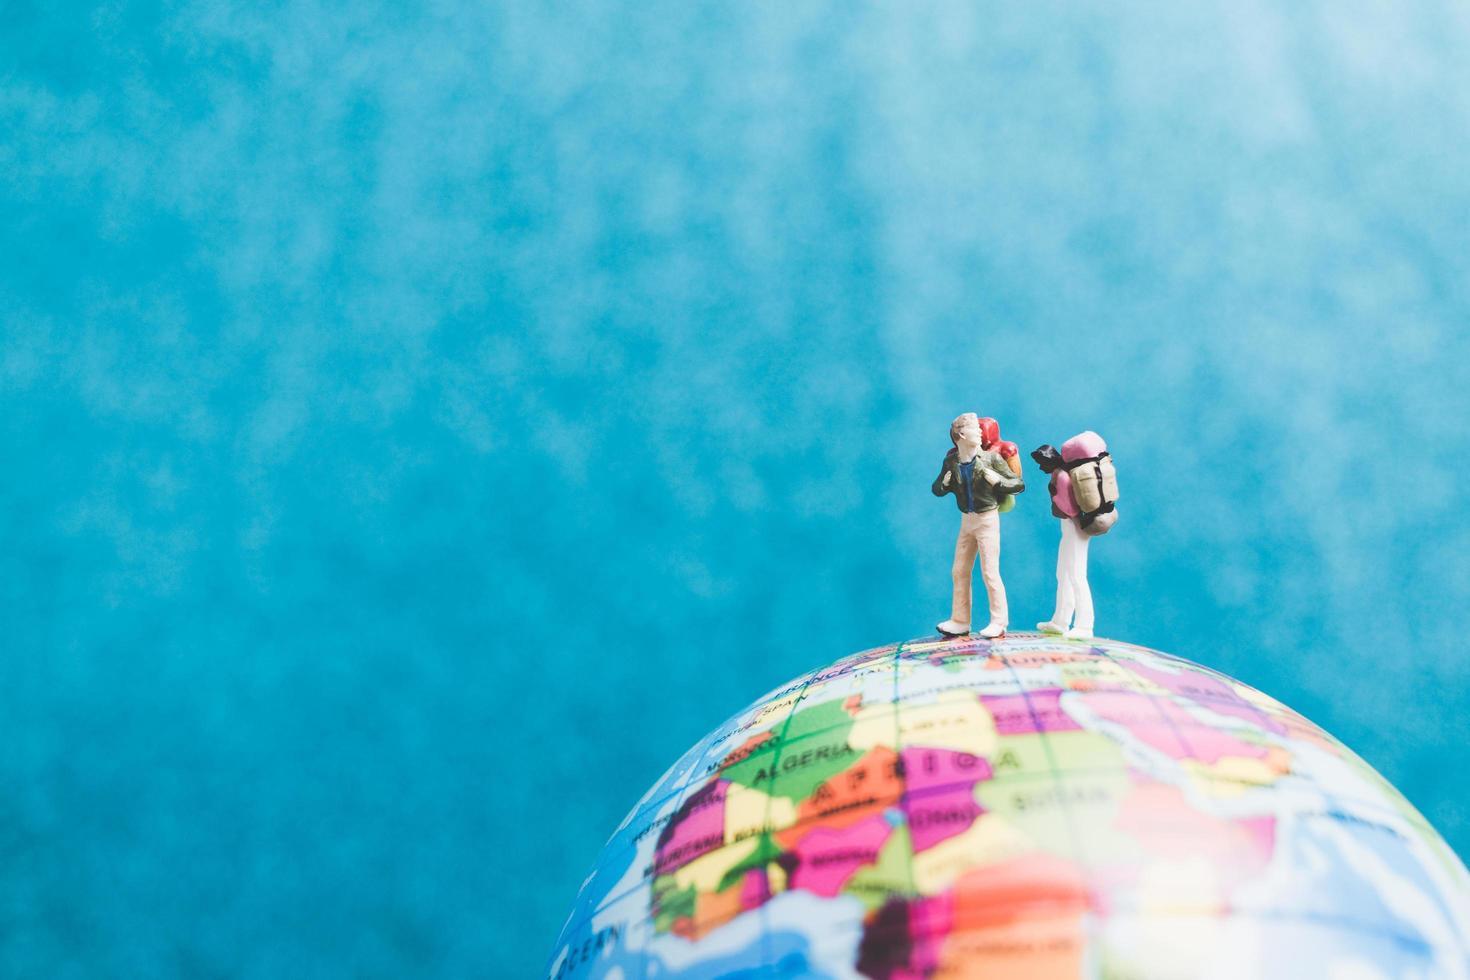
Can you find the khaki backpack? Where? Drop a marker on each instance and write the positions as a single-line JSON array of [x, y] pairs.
[[1095, 487]]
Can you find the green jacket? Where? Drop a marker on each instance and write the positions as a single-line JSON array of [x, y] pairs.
[[983, 496]]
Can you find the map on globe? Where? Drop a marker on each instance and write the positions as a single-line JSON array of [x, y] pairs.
[[1026, 807]]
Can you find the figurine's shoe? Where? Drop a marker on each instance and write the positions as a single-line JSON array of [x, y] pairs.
[[1078, 633], [1051, 626], [993, 631], [950, 628]]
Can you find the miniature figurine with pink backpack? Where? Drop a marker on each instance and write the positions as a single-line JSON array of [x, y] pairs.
[[1084, 492]]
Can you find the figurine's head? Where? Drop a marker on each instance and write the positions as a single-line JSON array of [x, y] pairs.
[[1047, 458], [966, 428], [989, 433], [1084, 445]]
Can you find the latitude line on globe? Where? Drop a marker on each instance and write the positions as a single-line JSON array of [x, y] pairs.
[[765, 909], [1051, 762], [1331, 802], [1153, 701], [903, 776], [692, 777], [653, 808]]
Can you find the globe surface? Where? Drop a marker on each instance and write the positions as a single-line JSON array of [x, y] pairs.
[[1025, 808]]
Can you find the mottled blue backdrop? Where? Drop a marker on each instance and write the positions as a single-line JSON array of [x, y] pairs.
[[422, 421]]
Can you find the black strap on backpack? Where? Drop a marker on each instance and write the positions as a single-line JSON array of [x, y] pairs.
[[1070, 466], [1085, 520]]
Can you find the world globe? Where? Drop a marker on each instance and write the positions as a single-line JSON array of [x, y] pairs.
[[1029, 807]]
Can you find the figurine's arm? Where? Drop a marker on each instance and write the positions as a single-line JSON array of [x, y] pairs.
[[944, 482], [998, 474], [1063, 496]]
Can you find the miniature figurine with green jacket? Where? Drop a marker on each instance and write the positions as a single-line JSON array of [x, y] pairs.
[[980, 480]]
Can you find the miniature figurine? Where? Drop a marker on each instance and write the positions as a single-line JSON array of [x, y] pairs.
[[1083, 489], [980, 478]]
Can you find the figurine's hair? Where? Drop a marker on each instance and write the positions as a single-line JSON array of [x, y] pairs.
[[959, 423]]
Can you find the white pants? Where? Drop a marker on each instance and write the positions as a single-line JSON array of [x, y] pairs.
[[979, 533], [1072, 591]]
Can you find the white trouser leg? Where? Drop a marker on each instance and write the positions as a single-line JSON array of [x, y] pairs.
[[1066, 596], [1077, 572]]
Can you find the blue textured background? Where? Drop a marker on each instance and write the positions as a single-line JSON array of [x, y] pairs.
[[420, 425]]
